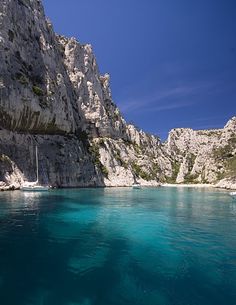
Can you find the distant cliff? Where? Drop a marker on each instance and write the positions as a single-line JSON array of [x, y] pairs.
[[206, 156], [53, 96]]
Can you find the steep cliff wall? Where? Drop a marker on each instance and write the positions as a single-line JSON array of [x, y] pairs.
[[38, 103], [52, 95], [36, 92], [123, 153]]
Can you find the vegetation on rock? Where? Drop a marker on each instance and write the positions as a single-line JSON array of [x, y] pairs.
[[38, 91]]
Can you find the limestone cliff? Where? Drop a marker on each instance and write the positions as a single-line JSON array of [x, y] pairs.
[[206, 156], [52, 95], [39, 105]]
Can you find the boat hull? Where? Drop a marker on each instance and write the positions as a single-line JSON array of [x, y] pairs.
[[35, 189], [233, 195], [136, 186]]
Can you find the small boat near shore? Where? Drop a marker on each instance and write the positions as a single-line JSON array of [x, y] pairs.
[[136, 186], [233, 195], [35, 186]]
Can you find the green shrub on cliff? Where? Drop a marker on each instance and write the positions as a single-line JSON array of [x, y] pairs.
[[94, 150], [38, 91], [139, 172]]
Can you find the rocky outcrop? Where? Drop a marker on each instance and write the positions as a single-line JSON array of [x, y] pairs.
[[227, 183], [102, 116], [53, 96], [10, 175], [205, 156], [126, 162]]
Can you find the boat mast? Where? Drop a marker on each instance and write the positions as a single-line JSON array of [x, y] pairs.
[[37, 165]]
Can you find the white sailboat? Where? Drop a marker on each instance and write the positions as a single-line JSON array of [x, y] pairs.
[[35, 186]]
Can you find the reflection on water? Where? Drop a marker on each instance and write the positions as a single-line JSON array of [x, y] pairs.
[[118, 246]]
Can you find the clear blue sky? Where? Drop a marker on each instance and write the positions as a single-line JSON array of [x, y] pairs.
[[172, 62]]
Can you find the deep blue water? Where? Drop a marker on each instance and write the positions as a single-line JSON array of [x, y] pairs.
[[163, 246]]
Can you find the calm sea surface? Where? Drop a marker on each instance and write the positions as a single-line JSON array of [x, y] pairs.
[[163, 246]]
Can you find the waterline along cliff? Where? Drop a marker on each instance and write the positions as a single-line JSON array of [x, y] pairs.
[[53, 96]]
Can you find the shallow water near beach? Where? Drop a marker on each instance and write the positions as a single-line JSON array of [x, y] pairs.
[[121, 246]]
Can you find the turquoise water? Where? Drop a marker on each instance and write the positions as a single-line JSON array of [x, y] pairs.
[[164, 246]]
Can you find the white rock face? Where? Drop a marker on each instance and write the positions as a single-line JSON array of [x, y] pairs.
[[126, 163], [125, 151], [36, 92], [227, 183], [10, 175], [53, 96], [102, 116], [39, 105], [203, 155]]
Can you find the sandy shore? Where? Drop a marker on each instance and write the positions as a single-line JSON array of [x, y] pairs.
[[202, 185], [198, 185]]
